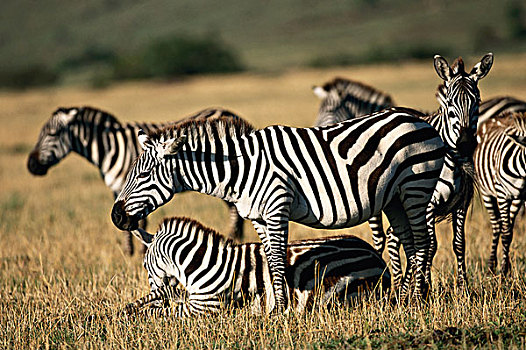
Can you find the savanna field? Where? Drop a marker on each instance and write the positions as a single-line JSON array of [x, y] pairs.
[[62, 260]]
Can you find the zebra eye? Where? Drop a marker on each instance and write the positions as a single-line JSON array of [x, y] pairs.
[[166, 280], [144, 174]]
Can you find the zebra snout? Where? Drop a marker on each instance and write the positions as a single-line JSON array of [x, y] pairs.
[[34, 166], [121, 219], [467, 143]]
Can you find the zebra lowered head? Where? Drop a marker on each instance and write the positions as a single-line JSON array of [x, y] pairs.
[[54, 142]]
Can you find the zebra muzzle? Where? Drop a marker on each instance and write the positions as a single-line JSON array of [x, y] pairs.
[[34, 166], [121, 219]]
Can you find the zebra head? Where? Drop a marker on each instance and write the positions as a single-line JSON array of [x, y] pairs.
[[344, 99], [150, 182], [459, 99], [54, 142]]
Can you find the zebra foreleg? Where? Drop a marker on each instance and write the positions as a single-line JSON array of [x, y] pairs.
[[376, 225], [236, 223], [274, 236], [459, 245]]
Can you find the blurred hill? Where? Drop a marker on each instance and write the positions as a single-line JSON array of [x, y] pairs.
[[76, 38]]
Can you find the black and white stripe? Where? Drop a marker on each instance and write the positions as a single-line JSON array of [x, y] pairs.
[[500, 106], [324, 177], [344, 99], [456, 121], [500, 163], [105, 142], [199, 271]]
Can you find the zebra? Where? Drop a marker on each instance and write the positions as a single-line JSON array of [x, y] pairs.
[[456, 121], [343, 99], [500, 159], [201, 272], [108, 144], [324, 177], [500, 106]]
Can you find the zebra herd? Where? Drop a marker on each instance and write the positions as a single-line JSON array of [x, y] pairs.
[[364, 156]]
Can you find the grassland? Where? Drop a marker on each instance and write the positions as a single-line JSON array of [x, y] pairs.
[[61, 258]]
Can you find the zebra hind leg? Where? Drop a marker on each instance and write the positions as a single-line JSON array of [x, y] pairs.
[[494, 216]]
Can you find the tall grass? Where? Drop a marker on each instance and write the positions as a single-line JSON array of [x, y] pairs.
[[61, 259]]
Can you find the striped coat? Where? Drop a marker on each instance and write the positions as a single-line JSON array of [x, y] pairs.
[[197, 271]]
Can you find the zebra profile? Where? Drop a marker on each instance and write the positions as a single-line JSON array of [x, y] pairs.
[[344, 99], [105, 142], [324, 177], [456, 121], [500, 159], [200, 271]]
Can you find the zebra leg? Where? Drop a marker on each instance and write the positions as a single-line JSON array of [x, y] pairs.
[[494, 216], [376, 225], [512, 207], [430, 223], [236, 223], [274, 235], [128, 243], [393, 248], [402, 230], [459, 244], [142, 224]]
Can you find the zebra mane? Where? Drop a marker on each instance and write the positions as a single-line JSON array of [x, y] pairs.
[[458, 66], [83, 113], [207, 231], [232, 126], [358, 90]]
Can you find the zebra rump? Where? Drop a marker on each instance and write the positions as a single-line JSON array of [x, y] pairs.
[[200, 271]]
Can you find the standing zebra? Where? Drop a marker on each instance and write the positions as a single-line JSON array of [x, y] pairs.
[[105, 142], [500, 106], [325, 177], [201, 271], [500, 160], [343, 99], [456, 121]]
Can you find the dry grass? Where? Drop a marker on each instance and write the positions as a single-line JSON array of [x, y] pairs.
[[61, 259]]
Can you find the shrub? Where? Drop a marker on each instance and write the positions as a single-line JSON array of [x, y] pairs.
[[24, 77], [174, 57]]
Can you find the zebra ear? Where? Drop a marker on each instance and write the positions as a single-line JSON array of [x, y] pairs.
[[172, 146], [442, 68], [143, 138], [482, 68], [143, 236], [67, 117], [320, 92]]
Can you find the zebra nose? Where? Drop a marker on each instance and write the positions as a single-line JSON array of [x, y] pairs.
[[467, 143], [34, 166], [121, 219]]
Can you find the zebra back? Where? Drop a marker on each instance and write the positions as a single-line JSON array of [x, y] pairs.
[[344, 99], [214, 271]]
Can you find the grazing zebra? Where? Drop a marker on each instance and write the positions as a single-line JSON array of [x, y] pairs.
[[110, 145], [456, 121], [344, 99], [500, 160], [324, 177], [201, 271]]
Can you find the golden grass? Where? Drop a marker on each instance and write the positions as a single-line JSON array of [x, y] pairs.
[[61, 258]]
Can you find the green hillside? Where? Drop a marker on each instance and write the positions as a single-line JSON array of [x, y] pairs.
[[267, 35]]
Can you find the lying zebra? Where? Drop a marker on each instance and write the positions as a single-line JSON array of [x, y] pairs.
[[200, 271]]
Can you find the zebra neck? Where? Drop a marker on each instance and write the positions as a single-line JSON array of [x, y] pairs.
[[215, 167]]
